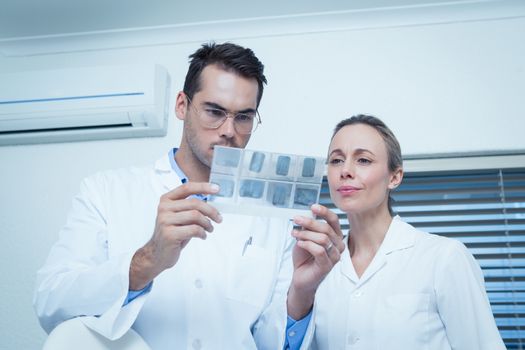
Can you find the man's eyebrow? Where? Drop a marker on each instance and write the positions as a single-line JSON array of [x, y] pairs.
[[218, 106], [213, 105]]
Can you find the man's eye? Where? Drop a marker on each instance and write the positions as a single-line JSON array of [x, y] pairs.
[[244, 117], [215, 113]]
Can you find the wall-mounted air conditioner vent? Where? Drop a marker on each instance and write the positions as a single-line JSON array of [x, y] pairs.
[[83, 104]]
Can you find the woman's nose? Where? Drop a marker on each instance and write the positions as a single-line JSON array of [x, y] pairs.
[[347, 170]]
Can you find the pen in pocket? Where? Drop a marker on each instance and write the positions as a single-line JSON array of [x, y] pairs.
[[246, 244]]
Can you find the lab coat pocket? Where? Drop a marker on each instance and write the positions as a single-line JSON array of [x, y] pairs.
[[251, 277], [408, 303], [407, 318]]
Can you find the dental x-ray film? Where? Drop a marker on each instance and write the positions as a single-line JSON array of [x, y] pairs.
[[264, 183]]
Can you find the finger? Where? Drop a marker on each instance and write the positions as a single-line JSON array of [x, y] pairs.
[[323, 259], [185, 218], [321, 226], [316, 237], [333, 253], [321, 240], [313, 225], [183, 233], [190, 204], [190, 188], [333, 220], [329, 216]]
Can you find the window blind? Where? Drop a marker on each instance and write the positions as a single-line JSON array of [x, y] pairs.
[[484, 209]]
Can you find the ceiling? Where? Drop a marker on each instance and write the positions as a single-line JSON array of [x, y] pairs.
[[37, 18]]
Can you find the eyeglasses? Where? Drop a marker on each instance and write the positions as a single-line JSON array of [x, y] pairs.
[[213, 118]]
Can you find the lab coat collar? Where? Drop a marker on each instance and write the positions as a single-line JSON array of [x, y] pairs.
[[168, 176], [163, 164], [398, 237]]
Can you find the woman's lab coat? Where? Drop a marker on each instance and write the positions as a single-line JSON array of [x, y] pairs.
[[420, 291], [222, 293]]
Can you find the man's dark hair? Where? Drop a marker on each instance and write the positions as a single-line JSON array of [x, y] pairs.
[[227, 56]]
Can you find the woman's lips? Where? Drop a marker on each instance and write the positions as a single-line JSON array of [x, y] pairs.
[[347, 190]]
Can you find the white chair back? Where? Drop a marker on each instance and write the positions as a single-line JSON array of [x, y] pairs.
[[73, 334]]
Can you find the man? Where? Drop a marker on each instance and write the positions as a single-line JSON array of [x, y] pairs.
[[201, 280]]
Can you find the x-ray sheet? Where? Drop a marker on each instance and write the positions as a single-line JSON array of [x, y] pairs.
[[265, 183]]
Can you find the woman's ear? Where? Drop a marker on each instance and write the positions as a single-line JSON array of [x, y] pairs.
[[395, 178], [181, 105]]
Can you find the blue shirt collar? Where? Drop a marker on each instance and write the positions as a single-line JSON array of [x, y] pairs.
[[175, 166], [180, 173]]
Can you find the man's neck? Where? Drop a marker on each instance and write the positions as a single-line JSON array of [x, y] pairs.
[[194, 169]]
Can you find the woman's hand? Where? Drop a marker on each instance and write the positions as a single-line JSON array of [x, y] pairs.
[[318, 249]]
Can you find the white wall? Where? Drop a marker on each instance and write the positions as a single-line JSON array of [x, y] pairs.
[[442, 88]]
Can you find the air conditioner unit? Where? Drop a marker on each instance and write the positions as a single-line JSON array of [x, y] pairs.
[[83, 104]]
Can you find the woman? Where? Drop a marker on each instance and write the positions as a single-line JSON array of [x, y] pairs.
[[395, 287]]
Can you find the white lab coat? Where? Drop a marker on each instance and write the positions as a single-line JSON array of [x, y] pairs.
[[420, 292], [215, 297]]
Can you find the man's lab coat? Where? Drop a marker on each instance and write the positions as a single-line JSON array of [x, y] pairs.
[[222, 293]]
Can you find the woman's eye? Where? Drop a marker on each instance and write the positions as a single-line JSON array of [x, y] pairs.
[[364, 161], [336, 161]]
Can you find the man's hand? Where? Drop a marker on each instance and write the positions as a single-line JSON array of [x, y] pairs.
[[179, 219], [318, 249]]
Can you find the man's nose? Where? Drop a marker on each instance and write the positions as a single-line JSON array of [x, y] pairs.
[[227, 129]]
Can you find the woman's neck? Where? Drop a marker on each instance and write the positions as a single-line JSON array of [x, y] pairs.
[[368, 230]]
